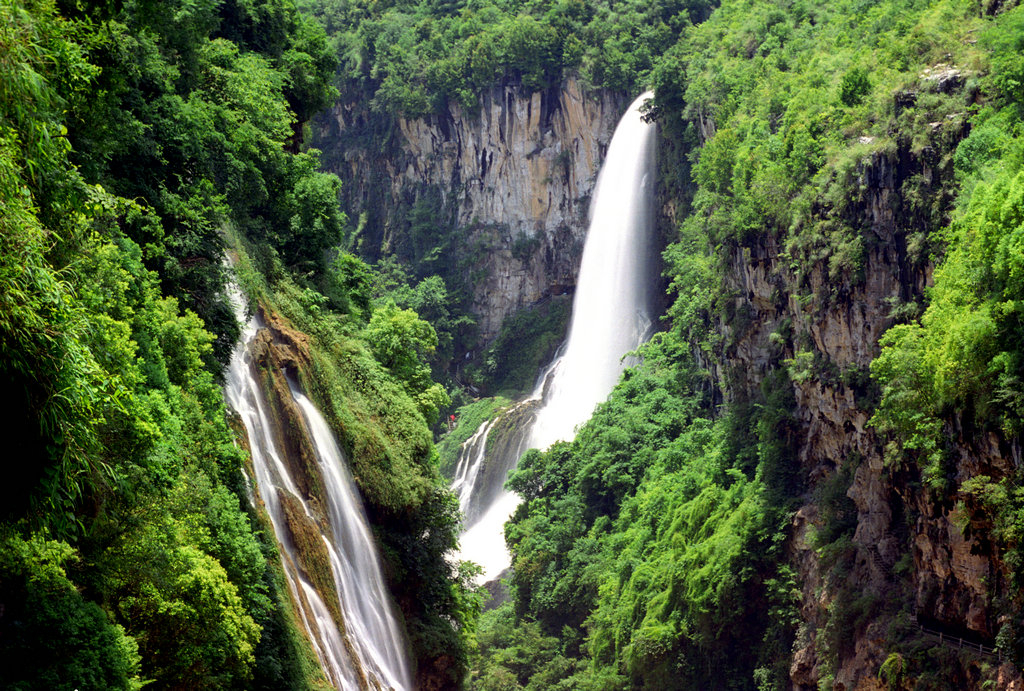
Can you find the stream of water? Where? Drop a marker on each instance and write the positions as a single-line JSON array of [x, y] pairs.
[[371, 653], [611, 316]]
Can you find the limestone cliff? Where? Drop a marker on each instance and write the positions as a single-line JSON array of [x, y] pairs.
[[513, 178], [914, 560]]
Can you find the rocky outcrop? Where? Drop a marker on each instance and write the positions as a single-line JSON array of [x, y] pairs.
[[278, 352], [908, 544], [513, 176]]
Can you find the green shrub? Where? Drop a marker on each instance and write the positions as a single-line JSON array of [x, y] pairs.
[[50, 636]]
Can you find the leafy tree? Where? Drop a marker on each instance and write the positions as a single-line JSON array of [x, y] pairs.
[[854, 86], [53, 637], [401, 341]]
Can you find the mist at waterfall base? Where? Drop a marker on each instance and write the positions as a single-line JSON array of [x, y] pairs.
[[373, 634], [611, 316]]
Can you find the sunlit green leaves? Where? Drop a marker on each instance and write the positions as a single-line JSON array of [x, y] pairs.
[[122, 446]]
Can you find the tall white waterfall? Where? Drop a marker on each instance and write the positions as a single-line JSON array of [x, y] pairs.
[[611, 312], [611, 316], [371, 652]]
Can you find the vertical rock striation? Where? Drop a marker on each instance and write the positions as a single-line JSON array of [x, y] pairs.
[[513, 175]]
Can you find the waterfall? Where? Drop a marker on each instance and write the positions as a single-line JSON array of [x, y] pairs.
[[611, 316], [467, 471], [368, 650]]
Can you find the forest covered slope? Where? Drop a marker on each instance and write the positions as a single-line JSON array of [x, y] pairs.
[[138, 139], [814, 470], [822, 451]]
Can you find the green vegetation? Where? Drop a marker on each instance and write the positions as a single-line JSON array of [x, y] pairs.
[[468, 421], [961, 363], [124, 547], [63, 637], [429, 296], [527, 342], [647, 551], [132, 136], [650, 552], [415, 56], [366, 376]]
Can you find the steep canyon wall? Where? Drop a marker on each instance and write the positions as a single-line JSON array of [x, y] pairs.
[[512, 178], [914, 557]]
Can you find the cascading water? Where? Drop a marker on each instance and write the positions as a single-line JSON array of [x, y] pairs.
[[371, 651], [372, 626], [610, 317], [467, 471]]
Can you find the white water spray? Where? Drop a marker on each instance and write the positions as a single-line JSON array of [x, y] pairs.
[[372, 653], [611, 313], [611, 316], [467, 470]]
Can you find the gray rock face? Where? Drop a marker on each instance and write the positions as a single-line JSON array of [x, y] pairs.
[[514, 175], [953, 566]]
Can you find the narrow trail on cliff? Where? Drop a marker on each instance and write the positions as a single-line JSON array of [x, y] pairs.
[[611, 316], [353, 628]]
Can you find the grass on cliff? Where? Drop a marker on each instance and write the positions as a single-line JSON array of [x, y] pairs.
[[469, 418], [527, 342]]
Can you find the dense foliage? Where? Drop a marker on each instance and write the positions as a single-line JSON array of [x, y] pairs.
[[131, 136], [960, 365], [527, 342], [125, 546], [650, 552], [416, 56]]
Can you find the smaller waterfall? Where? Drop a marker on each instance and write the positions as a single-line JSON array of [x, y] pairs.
[[610, 317], [486, 458], [370, 652], [484, 464], [467, 470], [372, 624]]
